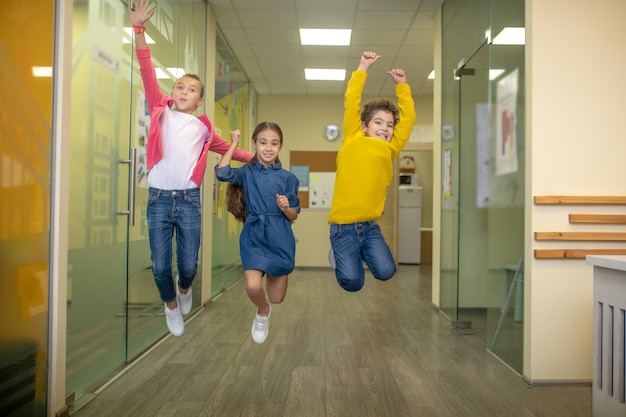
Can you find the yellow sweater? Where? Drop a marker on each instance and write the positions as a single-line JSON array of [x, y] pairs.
[[365, 164]]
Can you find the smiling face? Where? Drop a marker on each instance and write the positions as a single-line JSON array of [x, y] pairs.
[[187, 94], [267, 143], [380, 125]]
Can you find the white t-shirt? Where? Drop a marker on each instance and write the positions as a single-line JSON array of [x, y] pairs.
[[182, 139]]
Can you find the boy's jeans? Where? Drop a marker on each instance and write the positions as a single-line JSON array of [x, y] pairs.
[[169, 211], [354, 243]]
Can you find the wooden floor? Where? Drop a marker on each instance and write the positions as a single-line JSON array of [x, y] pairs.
[[384, 351]]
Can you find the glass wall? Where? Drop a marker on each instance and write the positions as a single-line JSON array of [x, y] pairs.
[[463, 25], [114, 310], [483, 173], [505, 217], [25, 167], [235, 108]]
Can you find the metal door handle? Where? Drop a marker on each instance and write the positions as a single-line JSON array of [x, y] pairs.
[[131, 189]]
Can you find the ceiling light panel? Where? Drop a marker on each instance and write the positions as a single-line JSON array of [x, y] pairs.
[[333, 37], [324, 74]]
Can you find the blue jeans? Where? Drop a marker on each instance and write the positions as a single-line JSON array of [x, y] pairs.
[[354, 243], [172, 211]]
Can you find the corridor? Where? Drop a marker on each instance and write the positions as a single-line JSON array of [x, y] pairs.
[[384, 351]]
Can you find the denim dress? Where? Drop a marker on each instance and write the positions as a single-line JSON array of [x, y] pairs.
[[267, 242]]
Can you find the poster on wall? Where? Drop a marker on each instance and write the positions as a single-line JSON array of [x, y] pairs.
[[302, 173], [141, 138], [506, 124], [321, 185], [447, 172], [483, 138], [421, 133]]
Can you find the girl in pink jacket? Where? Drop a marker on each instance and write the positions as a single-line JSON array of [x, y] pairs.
[[178, 143]]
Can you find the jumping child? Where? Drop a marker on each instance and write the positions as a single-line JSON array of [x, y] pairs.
[[372, 141], [264, 196], [177, 148]]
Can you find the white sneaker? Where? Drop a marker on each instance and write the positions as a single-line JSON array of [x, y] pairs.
[[175, 321], [184, 302], [331, 258], [261, 327]]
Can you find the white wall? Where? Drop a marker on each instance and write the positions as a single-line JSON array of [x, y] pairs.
[[575, 105]]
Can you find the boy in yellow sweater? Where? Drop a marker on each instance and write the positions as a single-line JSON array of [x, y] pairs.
[[372, 140]]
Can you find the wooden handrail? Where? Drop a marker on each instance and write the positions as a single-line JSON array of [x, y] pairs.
[[561, 199], [592, 236], [575, 253], [598, 218]]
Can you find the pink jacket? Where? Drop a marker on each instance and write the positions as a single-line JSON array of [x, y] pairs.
[[156, 106]]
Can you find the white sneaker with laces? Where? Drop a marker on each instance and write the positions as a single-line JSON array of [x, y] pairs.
[[184, 302], [175, 322], [261, 326]]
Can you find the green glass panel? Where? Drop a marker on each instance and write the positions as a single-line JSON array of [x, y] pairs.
[[114, 309], [505, 217], [97, 257], [483, 174], [233, 109]]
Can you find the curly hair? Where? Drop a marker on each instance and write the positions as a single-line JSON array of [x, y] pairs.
[[381, 104], [235, 199]]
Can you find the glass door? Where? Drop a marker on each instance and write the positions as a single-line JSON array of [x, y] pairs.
[[235, 109], [463, 33], [482, 219], [505, 213], [473, 157], [114, 309], [99, 191], [177, 45]]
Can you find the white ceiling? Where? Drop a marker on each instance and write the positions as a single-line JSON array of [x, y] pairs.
[[264, 37]]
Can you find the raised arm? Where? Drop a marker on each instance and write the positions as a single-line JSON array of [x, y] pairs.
[[228, 155], [398, 75], [139, 15], [402, 130], [368, 59], [352, 97]]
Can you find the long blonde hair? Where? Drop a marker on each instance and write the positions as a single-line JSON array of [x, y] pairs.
[[235, 199]]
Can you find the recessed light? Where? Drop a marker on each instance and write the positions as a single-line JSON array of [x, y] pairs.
[[42, 71], [335, 37], [324, 74]]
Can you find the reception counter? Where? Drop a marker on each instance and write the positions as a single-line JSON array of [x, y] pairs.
[[609, 324]]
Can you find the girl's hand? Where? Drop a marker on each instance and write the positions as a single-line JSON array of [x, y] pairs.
[[139, 13], [235, 135], [398, 75], [282, 201]]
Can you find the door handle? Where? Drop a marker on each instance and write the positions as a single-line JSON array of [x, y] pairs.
[[131, 188]]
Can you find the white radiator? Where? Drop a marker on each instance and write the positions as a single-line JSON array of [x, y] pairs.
[[609, 323]]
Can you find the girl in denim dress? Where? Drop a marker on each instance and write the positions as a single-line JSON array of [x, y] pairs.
[[264, 196]]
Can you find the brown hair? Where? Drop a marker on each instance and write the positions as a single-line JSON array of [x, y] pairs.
[[373, 106], [235, 200]]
